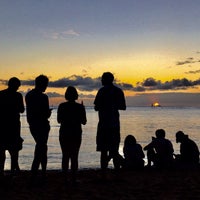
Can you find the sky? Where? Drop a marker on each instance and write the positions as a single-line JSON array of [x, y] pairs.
[[151, 47]]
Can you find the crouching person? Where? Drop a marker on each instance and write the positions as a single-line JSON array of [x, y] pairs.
[[189, 152], [160, 151]]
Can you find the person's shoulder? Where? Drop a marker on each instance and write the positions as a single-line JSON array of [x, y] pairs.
[[138, 145], [118, 89], [19, 94], [62, 104], [79, 105], [3, 91], [30, 92]]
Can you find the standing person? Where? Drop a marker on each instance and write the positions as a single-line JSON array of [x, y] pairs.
[[133, 153], [70, 115], [189, 151], [38, 113], [12, 105], [160, 150], [108, 101]]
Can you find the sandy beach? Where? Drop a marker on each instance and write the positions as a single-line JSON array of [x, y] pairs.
[[147, 184]]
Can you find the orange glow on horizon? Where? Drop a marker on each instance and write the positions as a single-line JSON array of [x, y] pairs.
[[155, 104]]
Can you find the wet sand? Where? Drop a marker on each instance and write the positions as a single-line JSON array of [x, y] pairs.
[[146, 184]]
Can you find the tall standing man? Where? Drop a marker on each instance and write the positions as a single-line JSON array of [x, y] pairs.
[[38, 112], [108, 101], [12, 105]]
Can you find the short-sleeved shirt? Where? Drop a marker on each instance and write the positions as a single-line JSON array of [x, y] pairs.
[[11, 106], [71, 115], [108, 101]]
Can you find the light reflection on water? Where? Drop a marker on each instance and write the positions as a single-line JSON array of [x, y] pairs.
[[138, 121]]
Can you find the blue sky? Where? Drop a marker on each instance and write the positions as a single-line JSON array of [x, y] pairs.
[[134, 39]]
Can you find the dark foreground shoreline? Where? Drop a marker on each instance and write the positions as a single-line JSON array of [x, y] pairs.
[[146, 184]]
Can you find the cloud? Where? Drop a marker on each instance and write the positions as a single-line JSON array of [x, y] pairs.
[[174, 84], [54, 94], [55, 35], [82, 83], [89, 84], [187, 61], [70, 32], [193, 72]]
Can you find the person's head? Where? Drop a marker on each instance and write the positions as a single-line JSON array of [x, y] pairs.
[[160, 133], [14, 83], [41, 83], [129, 140], [107, 78], [180, 136], [71, 94]]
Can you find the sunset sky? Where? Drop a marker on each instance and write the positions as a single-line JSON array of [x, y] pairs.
[[151, 46]]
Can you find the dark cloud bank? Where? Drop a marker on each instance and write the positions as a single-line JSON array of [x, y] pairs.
[[92, 84], [170, 98]]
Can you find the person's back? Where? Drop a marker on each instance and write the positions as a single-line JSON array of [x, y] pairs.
[[109, 100], [189, 151], [163, 150], [38, 112], [12, 105], [71, 115], [133, 153], [37, 107]]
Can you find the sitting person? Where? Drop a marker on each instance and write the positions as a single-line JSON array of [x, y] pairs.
[[160, 150], [189, 152], [133, 154]]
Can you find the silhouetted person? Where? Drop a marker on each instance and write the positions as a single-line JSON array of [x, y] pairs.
[[189, 151], [70, 115], [12, 105], [133, 153], [160, 151], [108, 101], [38, 113]]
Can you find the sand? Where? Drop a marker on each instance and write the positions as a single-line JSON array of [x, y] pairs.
[[146, 184]]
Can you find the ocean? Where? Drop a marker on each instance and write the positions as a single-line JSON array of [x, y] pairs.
[[141, 122]]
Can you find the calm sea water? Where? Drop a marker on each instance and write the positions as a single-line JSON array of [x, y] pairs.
[[138, 121]]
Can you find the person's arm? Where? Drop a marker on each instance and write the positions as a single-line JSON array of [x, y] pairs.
[[21, 104], [149, 146], [59, 114], [96, 101], [121, 101], [84, 119]]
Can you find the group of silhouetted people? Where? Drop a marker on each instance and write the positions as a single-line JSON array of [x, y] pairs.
[[71, 116], [160, 152]]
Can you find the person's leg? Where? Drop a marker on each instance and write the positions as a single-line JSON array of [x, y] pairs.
[[114, 147], [74, 158], [36, 159], [65, 162], [40, 135], [14, 154], [104, 159], [64, 144], [44, 149], [114, 150], [151, 157]]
